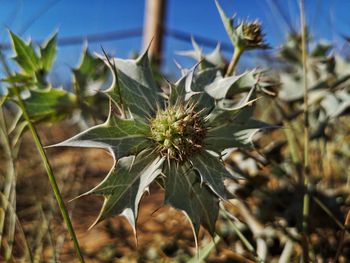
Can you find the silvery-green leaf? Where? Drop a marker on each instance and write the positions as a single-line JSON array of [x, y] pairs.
[[121, 136], [134, 86], [178, 91], [213, 59], [336, 104], [192, 85], [238, 132], [125, 184], [196, 53], [182, 89], [228, 110], [202, 79], [342, 66], [223, 88], [184, 191], [291, 88], [228, 24], [345, 98], [212, 171]]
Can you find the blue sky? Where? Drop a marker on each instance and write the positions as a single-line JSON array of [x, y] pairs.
[[328, 20]]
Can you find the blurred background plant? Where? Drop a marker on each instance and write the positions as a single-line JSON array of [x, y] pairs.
[[264, 218]]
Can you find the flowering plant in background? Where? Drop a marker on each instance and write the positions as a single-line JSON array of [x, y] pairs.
[[244, 36]]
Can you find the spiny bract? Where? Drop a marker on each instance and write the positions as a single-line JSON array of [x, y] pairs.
[[177, 138]]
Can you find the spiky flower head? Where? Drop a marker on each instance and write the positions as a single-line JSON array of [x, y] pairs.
[[244, 35], [252, 35], [178, 137], [178, 132]]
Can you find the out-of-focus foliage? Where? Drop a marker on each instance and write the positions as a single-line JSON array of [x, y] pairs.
[[44, 102]]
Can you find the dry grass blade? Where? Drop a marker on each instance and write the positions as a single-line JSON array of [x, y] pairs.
[[28, 257]]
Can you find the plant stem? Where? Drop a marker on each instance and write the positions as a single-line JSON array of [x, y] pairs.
[[49, 172], [306, 199], [232, 66], [9, 184], [244, 240]]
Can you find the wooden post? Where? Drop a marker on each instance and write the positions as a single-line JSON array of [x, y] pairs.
[[154, 28]]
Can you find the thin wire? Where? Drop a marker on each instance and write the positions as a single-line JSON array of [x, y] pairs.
[[133, 33], [36, 16]]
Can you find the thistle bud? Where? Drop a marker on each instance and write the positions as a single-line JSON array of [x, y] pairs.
[[251, 35], [243, 35]]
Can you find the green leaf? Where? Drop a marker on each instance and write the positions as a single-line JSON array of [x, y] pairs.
[[184, 191], [19, 79], [49, 104], [91, 76], [212, 172], [25, 55], [125, 184], [121, 136], [134, 86], [48, 53], [92, 67]]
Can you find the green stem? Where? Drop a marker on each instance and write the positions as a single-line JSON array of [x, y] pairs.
[[49, 172], [244, 240], [306, 199], [232, 66]]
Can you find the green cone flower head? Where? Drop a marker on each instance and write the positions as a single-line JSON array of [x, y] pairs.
[[177, 138], [178, 131]]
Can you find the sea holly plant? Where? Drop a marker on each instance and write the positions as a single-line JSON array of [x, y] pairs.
[[175, 138], [244, 35]]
